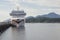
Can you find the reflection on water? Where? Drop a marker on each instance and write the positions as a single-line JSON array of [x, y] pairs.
[[33, 31], [18, 34], [13, 34]]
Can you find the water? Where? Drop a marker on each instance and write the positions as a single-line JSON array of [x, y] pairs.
[[33, 31]]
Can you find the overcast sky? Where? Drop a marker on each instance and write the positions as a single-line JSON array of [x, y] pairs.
[[31, 7]]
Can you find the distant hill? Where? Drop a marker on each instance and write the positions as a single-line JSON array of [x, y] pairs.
[[47, 18], [51, 15]]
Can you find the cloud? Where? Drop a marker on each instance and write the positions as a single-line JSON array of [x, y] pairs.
[[16, 3], [45, 2], [31, 7], [13, 1], [4, 15], [48, 4], [42, 6], [35, 6]]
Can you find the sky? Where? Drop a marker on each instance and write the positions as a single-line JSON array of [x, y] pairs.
[[31, 7]]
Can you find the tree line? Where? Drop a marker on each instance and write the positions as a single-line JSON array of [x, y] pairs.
[[40, 19]]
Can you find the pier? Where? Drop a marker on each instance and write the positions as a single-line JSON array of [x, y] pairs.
[[4, 26]]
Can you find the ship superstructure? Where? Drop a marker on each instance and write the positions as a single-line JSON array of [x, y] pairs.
[[18, 17]]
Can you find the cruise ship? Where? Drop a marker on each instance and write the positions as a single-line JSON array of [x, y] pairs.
[[18, 17]]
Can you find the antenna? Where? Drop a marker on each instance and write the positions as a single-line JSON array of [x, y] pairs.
[[17, 8]]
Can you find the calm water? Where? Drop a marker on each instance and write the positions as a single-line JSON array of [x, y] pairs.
[[33, 31]]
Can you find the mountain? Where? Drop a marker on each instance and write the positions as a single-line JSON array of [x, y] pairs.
[[51, 15]]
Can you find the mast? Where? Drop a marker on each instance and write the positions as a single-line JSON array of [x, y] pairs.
[[18, 8]]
